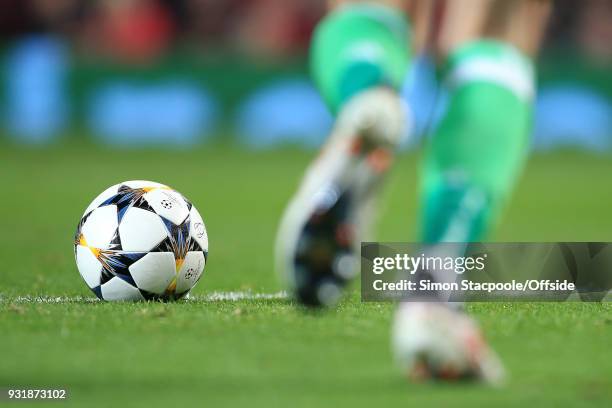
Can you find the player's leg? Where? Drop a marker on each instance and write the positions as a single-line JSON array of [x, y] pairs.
[[359, 56], [470, 167], [358, 46], [478, 149]]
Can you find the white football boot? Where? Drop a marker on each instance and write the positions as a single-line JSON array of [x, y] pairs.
[[317, 246], [434, 341]]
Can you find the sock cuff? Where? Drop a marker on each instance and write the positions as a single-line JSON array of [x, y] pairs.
[[492, 62], [356, 47]]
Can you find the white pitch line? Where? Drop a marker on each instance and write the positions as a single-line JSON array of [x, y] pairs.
[[234, 296], [209, 297], [47, 299]]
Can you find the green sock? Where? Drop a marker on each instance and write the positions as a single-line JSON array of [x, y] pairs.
[[357, 47], [480, 145]]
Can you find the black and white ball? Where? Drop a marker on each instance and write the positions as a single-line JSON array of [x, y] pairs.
[[141, 240]]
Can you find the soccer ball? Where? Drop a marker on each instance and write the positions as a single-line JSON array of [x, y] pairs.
[[141, 240]]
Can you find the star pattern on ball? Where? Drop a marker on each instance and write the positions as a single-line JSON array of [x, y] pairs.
[[178, 242], [114, 263], [128, 197]]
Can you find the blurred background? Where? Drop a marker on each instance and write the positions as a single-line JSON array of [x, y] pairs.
[[188, 72]]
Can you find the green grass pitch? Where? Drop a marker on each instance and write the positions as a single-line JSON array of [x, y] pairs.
[[268, 352]]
